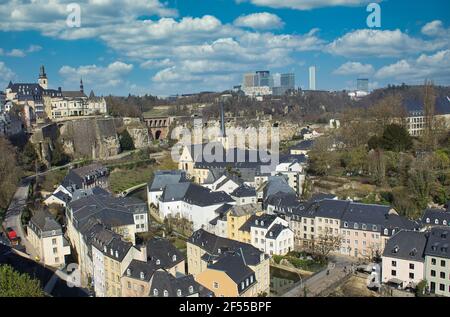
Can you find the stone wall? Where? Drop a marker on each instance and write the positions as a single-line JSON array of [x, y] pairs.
[[90, 138]]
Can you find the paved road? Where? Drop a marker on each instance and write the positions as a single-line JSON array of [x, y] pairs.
[[14, 214], [320, 281]]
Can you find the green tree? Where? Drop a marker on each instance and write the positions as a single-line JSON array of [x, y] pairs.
[[126, 142], [14, 284], [9, 172], [420, 183], [396, 138]]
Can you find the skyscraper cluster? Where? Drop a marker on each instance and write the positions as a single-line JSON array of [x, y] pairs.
[[262, 83]]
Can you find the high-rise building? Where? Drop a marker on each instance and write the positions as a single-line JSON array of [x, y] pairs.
[[287, 81], [249, 80], [312, 78], [362, 84], [264, 79]]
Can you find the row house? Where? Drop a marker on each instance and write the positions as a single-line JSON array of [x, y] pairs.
[[192, 202], [411, 257], [227, 267]]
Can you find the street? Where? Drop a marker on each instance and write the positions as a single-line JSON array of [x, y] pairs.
[[320, 281], [14, 214]]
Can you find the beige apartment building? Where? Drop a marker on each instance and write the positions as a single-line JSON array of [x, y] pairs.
[[47, 238], [203, 247], [437, 261]]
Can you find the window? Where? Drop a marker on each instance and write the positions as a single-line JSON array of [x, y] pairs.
[[386, 232], [215, 285], [436, 221], [428, 220], [433, 261], [56, 260], [355, 226], [54, 241], [433, 273], [179, 292], [411, 266], [129, 285], [345, 224], [442, 287], [242, 285], [411, 276], [191, 289], [442, 275], [394, 263], [166, 293], [55, 250], [443, 263], [394, 273]]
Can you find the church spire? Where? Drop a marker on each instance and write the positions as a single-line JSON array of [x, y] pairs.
[[42, 73], [81, 85]]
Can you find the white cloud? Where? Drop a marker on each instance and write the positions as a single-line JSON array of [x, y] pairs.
[[380, 43], [109, 76], [7, 75], [354, 68], [34, 48], [260, 21], [15, 52], [434, 28], [306, 4], [433, 67]]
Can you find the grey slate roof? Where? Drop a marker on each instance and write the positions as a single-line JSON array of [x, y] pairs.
[[263, 221], [84, 175], [136, 268], [215, 245], [109, 210], [244, 191], [407, 245], [233, 264], [438, 243], [110, 244], [43, 224], [194, 194], [163, 178], [62, 196], [430, 217], [159, 249], [275, 231], [276, 184], [176, 287], [303, 145]]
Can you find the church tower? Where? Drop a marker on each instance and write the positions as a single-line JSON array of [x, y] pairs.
[[81, 86], [43, 81]]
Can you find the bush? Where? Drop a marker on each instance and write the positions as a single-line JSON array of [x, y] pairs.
[[14, 284]]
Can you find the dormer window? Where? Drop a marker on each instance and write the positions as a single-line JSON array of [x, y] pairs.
[[117, 254], [262, 223], [374, 228], [128, 272], [112, 252], [364, 227], [142, 275], [158, 262], [436, 221], [219, 251], [155, 292], [166, 293], [395, 250], [105, 249], [428, 220], [413, 252], [444, 222], [191, 289], [179, 292], [256, 221], [345, 224], [355, 226], [386, 232], [174, 258]]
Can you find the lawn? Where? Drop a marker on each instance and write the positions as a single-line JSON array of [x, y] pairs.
[[122, 178], [300, 261], [52, 179]]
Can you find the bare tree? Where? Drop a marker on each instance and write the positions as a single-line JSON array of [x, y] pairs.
[[323, 244]]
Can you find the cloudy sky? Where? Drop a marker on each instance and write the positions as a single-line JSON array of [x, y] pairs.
[[165, 47]]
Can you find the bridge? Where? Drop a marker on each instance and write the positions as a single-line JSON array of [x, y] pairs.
[[158, 127]]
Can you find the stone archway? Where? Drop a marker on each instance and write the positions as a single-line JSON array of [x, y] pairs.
[[158, 134]]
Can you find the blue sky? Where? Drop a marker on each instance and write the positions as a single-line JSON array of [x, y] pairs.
[[181, 46]]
